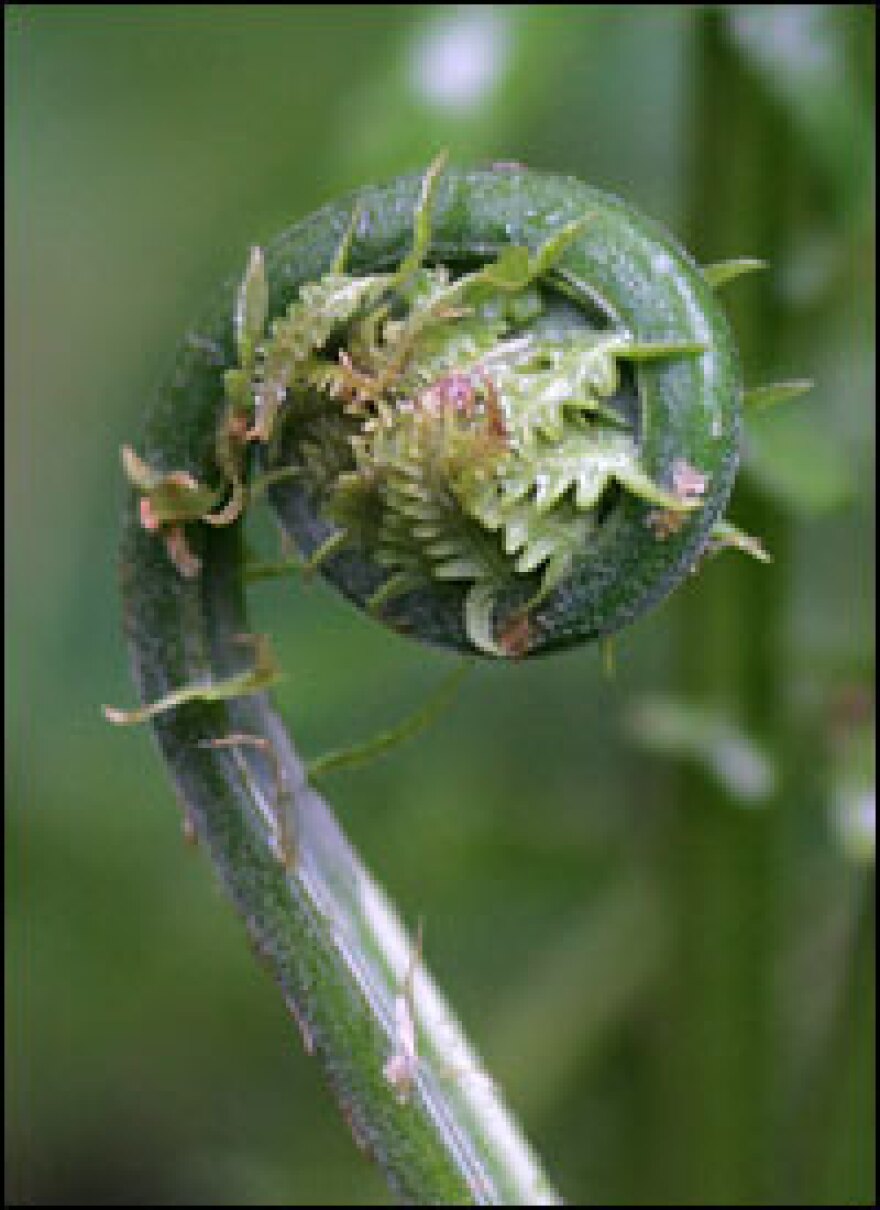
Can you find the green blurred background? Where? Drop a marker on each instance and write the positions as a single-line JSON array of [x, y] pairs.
[[650, 898]]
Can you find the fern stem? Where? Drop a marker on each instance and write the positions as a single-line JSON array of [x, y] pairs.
[[316, 916]]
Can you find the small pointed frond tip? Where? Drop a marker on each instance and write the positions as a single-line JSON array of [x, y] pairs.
[[724, 535], [773, 393], [342, 252], [251, 306], [657, 350], [422, 218], [724, 271], [138, 472], [263, 674]]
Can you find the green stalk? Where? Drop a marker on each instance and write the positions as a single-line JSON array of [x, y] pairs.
[[721, 1052], [843, 1102]]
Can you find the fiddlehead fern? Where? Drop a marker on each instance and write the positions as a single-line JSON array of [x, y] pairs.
[[514, 422], [502, 411]]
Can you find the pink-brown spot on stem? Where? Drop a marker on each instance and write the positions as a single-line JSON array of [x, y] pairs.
[[664, 522], [689, 483], [453, 392], [183, 480], [494, 413], [188, 564], [237, 428], [149, 520], [516, 637]]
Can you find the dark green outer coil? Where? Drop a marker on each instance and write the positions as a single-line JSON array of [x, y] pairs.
[[635, 273]]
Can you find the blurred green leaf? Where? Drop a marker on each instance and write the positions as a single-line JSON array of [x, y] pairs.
[[798, 462], [852, 808], [709, 738], [775, 393], [800, 53]]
